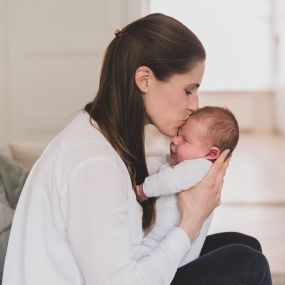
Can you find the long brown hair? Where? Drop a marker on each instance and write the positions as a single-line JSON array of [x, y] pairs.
[[167, 47]]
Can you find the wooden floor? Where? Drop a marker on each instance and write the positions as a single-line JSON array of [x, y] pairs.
[[253, 200]]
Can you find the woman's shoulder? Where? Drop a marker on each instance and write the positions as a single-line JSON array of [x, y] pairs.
[[80, 130], [78, 142]]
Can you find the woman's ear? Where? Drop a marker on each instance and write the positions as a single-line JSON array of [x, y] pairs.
[[213, 153], [142, 76]]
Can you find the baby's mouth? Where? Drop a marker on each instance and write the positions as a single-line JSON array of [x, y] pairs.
[[172, 158], [172, 153]]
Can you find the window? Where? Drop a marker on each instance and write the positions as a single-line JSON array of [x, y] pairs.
[[237, 36]]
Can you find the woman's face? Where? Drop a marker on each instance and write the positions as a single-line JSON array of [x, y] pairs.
[[168, 104]]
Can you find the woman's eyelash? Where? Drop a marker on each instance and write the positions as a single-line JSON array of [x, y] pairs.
[[185, 140], [188, 92]]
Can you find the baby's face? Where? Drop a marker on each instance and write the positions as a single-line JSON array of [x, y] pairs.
[[190, 143]]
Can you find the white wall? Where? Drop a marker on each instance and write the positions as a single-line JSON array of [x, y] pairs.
[[54, 59], [244, 61], [50, 55], [253, 110], [55, 52], [4, 122], [280, 72]]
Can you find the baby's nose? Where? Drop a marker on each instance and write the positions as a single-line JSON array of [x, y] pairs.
[[177, 140]]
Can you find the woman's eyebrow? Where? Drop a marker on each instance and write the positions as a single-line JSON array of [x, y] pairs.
[[196, 85]]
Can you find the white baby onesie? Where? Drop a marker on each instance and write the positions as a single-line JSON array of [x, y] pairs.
[[166, 181]]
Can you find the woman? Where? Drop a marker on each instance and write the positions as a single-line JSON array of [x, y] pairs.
[[78, 221]]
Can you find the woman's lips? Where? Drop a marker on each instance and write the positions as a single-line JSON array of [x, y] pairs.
[[182, 123]]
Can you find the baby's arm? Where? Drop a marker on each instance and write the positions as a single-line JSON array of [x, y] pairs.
[[170, 180]]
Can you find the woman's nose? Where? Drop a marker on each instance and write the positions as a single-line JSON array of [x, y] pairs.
[[193, 103]]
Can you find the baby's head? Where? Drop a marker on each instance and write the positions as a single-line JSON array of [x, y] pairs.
[[207, 132]]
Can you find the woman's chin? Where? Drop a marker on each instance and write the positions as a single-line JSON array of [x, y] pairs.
[[168, 132]]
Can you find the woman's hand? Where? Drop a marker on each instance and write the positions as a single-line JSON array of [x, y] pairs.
[[198, 202]]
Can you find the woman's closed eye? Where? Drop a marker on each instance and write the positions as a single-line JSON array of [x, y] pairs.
[[188, 92], [185, 140]]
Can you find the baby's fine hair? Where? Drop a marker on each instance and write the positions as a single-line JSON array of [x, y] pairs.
[[223, 128]]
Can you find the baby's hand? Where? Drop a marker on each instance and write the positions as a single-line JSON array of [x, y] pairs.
[[140, 194]]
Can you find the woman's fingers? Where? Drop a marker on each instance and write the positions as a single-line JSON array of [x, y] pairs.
[[223, 169], [217, 167], [220, 177]]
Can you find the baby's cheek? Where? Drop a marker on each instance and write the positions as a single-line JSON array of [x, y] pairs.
[[181, 155]]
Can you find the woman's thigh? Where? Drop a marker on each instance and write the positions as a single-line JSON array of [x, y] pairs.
[[229, 265], [219, 240]]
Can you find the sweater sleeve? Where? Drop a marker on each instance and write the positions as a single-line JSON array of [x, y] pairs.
[[196, 248], [170, 180], [97, 218], [167, 216]]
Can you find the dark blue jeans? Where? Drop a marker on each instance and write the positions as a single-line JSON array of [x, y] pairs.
[[226, 259]]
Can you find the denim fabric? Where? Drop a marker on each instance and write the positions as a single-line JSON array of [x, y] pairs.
[[226, 259]]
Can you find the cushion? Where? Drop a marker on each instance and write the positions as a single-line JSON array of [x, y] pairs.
[[27, 153], [12, 179], [5, 150], [6, 217]]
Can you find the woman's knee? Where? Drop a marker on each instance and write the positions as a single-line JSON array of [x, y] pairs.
[[250, 258], [260, 268], [227, 238], [249, 241], [243, 251], [231, 264]]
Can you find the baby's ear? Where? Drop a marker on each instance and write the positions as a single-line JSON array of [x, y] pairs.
[[213, 153]]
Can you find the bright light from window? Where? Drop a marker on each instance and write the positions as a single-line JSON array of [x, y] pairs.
[[236, 35]]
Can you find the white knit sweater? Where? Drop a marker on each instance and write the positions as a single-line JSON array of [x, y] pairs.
[[163, 181]]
